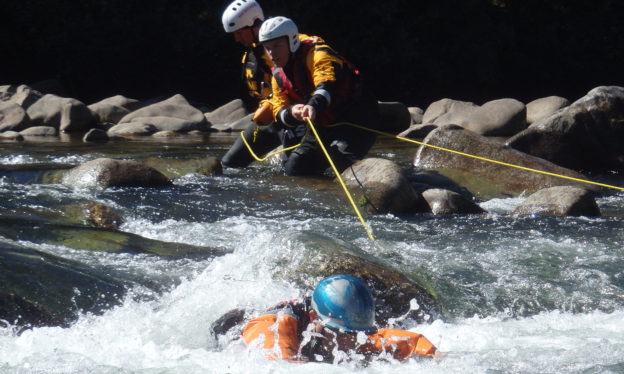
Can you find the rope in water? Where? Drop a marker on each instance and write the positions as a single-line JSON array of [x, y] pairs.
[[346, 190], [479, 157]]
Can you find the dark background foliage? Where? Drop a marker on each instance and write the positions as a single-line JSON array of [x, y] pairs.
[[414, 51]]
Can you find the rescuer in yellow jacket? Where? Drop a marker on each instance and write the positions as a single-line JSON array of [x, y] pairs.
[[310, 80], [340, 316]]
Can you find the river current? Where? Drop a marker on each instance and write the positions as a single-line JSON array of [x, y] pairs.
[[516, 294]]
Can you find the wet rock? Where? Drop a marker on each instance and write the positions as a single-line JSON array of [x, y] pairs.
[[65, 114], [587, 135], [176, 168], [395, 117], [95, 136], [113, 109], [541, 108], [173, 114], [444, 202], [106, 172], [40, 131], [380, 187], [100, 215], [12, 117], [418, 131], [503, 117], [391, 289], [11, 136], [17, 311], [560, 201], [486, 179]]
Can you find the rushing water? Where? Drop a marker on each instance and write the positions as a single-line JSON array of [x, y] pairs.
[[517, 295]]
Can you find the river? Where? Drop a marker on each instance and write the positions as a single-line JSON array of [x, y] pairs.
[[516, 294]]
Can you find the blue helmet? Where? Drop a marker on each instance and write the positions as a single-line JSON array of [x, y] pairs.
[[344, 302]]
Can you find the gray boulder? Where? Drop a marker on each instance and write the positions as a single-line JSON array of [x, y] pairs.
[[443, 202], [132, 129], [65, 114], [11, 136], [113, 109], [222, 118], [106, 172], [418, 131], [40, 131], [587, 135], [380, 187], [22, 95], [12, 117], [173, 114], [417, 115], [560, 201], [395, 117], [487, 179], [541, 108], [503, 117], [95, 136]]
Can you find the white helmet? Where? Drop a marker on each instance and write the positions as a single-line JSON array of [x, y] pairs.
[[275, 27], [241, 13]]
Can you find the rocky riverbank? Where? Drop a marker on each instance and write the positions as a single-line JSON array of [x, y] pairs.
[[549, 134]]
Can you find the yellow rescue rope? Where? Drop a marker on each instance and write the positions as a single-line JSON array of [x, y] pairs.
[[344, 187], [478, 157], [357, 211], [260, 159]]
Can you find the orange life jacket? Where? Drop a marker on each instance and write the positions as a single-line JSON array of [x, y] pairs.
[[279, 336]]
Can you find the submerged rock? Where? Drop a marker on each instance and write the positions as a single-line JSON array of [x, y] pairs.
[[17, 311], [391, 289]]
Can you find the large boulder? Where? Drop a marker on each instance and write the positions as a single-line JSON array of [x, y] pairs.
[[173, 114], [106, 172], [380, 187], [484, 178], [40, 131], [12, 117], [132, 129], [222, 118], [23, 95], [503, 117], [113, 109], [587, 135], [65, 114], [560, 201], [541, 108], [395, 117]]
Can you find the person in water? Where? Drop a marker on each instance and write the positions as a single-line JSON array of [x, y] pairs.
[[243, 18], [337, 322], [311, 80]]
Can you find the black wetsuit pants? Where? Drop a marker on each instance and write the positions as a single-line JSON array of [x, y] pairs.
[[261, 139], [345, 144]]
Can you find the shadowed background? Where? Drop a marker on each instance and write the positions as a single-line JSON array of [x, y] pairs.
[[410, 51]]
